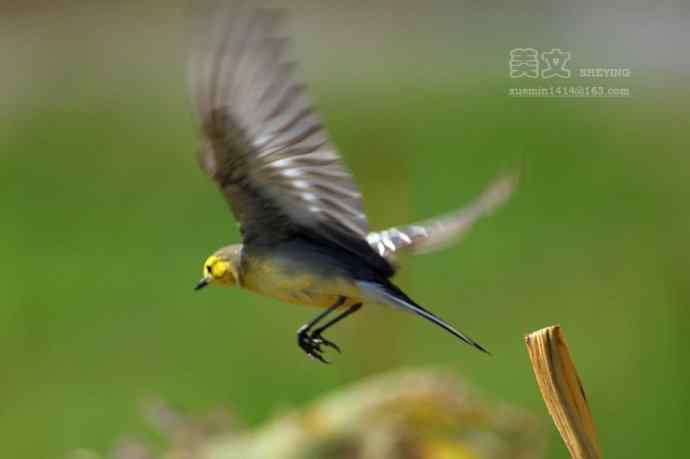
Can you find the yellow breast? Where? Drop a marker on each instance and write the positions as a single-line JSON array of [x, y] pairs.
[[277, 280]]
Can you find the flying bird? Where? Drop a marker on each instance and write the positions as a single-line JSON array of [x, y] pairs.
[[305, 238]]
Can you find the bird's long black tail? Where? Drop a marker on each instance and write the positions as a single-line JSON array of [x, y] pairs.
[[389, 294]]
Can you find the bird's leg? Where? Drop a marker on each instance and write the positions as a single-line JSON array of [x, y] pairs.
[[327, 311], [309, 344], [311, 341], [316, 334]]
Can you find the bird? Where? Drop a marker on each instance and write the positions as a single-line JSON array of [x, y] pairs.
[[305, 236]]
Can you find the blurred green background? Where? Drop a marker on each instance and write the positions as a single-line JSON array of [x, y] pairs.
[[106, 218]]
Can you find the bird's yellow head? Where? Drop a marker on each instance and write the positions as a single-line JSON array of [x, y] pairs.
[[221, 268]]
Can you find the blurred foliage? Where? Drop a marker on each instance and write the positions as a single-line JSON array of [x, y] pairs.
[[402, 415]]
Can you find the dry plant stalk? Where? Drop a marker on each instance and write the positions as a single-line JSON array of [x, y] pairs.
[[562, 391]]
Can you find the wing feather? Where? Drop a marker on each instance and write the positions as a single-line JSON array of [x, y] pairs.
[[263, 143], [438, 232]]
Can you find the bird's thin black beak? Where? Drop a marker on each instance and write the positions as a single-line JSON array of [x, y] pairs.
[[202, 283]]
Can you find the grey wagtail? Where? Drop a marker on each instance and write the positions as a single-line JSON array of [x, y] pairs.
[[305, 238]]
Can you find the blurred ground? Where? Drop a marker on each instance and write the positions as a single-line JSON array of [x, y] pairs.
[[107, 218]]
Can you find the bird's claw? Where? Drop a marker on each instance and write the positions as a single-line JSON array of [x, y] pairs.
[[316, 336], [312, 344]]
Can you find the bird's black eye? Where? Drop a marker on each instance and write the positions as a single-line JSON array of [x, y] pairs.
[[208, 269]]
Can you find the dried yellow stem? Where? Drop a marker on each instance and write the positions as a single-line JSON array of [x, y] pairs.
[[562, 391]]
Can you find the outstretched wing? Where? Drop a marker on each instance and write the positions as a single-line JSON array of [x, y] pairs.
[[438, 232], [262, 142]]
